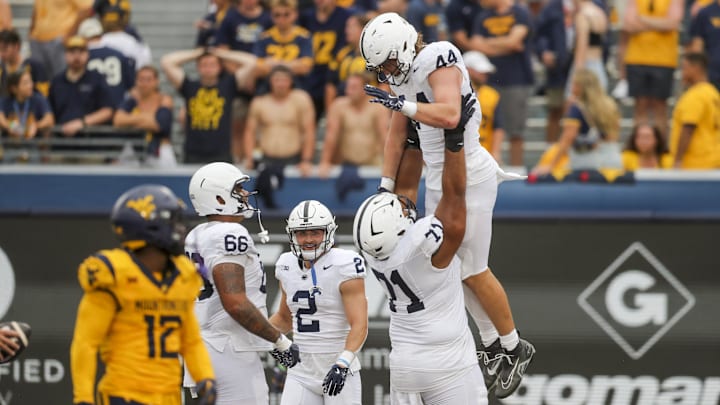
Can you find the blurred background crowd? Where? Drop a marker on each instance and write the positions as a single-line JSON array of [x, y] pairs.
[[563, 84]]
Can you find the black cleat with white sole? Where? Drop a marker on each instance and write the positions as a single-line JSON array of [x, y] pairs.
[[512, 368], [490, 358]]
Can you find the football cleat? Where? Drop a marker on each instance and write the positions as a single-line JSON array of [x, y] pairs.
[[490, 358], [512, 368]]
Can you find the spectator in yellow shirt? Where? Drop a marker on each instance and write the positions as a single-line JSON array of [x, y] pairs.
[[694, 141], [646, 149], [651, 55], [491, 133]]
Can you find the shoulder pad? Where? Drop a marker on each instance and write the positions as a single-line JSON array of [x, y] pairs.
[[435, 56], [427, 235], [97, 272], [188, 269]]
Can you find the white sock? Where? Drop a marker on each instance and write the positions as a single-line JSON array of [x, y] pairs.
[[510, 341], [488, 333]]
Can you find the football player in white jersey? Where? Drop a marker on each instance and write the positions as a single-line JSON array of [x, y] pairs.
[[232, 309], [324, 305], [432, 360], [428, 81]]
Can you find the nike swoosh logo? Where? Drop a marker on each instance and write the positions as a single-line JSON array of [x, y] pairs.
[[327, 267], [415, 70], [372, 230]]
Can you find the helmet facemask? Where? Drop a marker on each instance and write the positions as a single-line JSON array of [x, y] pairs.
[[242, 196], [320, 248]]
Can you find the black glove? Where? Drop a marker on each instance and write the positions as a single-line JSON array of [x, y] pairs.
[[288, 358], [454, 138], [207, 393], [335, 380], [384, 98]]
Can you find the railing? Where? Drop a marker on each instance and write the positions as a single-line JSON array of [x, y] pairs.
[[95, 144]]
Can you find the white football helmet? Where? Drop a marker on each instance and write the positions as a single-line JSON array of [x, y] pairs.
[[311, 214], [216, 189], [380, 222], [389, 36]]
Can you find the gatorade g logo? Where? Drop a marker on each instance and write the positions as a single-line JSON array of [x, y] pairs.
[[7, 283], [636, 300]]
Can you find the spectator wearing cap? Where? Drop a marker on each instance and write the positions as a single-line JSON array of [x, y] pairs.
[[53, 22], [491, 133], [12, 61], [117, 38], [118, 69], [79, 97], [116, 12]]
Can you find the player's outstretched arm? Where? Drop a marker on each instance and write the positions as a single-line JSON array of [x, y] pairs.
[[452, 210], [393, 151]]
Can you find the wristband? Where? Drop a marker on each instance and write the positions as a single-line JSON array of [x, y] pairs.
[[346, 358], [409, 109], [283, 343], [387, 183]]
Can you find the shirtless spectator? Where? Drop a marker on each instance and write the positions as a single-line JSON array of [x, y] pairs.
[[284, 122], [354, 135]]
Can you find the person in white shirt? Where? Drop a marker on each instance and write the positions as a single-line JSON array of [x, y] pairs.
[[432, 360], [324, 305], [428, 82], [232, 309]]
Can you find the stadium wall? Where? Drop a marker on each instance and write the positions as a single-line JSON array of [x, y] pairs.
[[617, 285]]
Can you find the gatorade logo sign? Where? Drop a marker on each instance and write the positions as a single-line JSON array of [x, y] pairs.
[[636, 300]]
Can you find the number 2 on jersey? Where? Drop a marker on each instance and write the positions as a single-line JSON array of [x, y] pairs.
[[395, 278], [313, 326]]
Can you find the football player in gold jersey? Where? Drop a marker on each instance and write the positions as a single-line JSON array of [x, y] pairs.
[[137, 310]]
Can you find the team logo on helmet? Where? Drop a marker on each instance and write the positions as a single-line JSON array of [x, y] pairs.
[[144, 206]]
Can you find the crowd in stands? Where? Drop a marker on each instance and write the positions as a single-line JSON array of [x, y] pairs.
[[269, 76]]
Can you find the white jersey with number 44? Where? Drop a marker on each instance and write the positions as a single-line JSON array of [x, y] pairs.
[[428, 326], [480, 164], [213, 243]]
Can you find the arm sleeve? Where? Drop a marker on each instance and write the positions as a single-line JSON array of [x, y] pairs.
[[94, 317], [95, 314]]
